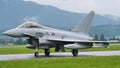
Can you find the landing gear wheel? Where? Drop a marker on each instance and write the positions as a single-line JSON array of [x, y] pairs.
[[36, 54], [75, 52], [47, 52]]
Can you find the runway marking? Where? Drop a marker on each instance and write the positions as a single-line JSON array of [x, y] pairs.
[[61, 54]]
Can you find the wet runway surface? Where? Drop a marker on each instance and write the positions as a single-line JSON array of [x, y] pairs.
[[55, 55]]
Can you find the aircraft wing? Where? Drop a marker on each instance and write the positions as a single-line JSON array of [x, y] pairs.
[[77, 41], [68, 39]]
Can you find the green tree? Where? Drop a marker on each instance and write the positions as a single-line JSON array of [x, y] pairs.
[[114, 38], [96, 37], [102, 38]]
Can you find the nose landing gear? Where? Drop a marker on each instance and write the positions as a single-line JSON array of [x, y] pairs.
[[75, 52]]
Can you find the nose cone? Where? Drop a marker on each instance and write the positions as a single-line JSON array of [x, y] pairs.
[[8, 33], [14, 32]]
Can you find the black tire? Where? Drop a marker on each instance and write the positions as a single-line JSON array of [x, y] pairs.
[[47, 52], [75, 52], [36, 54]]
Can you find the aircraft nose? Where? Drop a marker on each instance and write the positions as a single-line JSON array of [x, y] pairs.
[[8, 32], [4, 33], [13, 32]]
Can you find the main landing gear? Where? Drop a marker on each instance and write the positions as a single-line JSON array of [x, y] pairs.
[[75, 52], [46, 51]]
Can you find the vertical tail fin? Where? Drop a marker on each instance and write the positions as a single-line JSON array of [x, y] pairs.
[[84, 25]]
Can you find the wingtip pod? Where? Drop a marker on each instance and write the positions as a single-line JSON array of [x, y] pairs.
[[84, 25]]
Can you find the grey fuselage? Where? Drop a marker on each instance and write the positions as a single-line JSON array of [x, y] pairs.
[[47, 33]]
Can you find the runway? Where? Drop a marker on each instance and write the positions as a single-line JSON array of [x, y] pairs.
[[57, 55]]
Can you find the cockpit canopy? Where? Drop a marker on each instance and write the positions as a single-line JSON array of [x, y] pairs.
[[30, 25]]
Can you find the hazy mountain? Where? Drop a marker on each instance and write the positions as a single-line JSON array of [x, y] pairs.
[[107, 30], [13, 13]]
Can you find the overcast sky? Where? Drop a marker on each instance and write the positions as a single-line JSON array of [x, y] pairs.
[[111, 7]]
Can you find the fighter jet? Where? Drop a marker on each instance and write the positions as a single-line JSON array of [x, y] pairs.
[[42, 37]]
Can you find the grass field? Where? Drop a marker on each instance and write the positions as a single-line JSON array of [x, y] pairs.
[[23, 49], [69, 62], [73, 62]]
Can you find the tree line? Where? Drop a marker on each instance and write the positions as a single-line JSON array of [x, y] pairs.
[[17, 41], [103, 38]]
